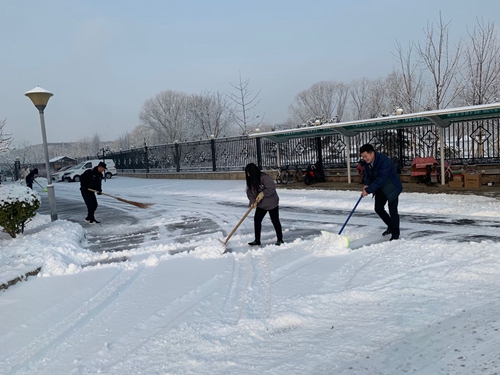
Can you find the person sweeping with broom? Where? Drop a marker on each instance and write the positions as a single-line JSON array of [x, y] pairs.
[[262, 190], [90, 183]]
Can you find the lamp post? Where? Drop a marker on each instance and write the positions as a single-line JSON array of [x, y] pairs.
[[40, 98], [104, 157], [146, 157], [17, 168]]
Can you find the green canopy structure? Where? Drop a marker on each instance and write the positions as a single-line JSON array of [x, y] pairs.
[[442, 118]]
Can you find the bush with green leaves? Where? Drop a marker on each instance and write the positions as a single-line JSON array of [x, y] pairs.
[[18, 205]]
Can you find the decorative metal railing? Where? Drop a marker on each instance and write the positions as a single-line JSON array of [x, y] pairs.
[[471, 142]]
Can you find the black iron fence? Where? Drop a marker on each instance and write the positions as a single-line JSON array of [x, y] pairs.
[[470, 142]]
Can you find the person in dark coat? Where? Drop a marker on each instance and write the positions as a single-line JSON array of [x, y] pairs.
[[382, 180], [91, 179], [261, 192], [361, 171], [31, 177]]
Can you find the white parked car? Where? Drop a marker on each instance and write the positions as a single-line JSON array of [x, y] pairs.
[[58, 176], [74, 173]]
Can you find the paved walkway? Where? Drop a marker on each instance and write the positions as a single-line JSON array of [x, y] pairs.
[[110, 236]]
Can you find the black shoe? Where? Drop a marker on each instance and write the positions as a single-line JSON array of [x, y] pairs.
[[95, 222], [254, 243], [87, 219], [387, 231], [393, 238], [278, 243]]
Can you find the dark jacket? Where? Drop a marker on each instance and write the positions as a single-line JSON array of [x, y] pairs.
[[382, 175], [271, 199], [31, 177], [91, 179]]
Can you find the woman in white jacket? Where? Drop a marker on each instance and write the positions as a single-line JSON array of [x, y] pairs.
[[24, 173]]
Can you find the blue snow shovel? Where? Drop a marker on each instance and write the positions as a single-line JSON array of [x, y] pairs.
[[354, 209]]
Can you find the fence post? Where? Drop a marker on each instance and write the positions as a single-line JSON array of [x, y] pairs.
[[177, 156], [259, 153], [212, 146], [133, 160], [400, 148], [319, 151], [347, 141], [146, 159], [17, 168]]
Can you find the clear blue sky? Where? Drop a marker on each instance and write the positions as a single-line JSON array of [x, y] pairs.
[[103, 58]]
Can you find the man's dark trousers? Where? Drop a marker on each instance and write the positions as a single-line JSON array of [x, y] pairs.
[[91, 202], [391, 219]]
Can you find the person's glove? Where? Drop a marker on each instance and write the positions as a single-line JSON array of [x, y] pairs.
[[259, 197], [99, 192]]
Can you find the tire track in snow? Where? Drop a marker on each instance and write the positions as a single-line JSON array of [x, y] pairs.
[[195, 302], [51, 341], [249, 294]]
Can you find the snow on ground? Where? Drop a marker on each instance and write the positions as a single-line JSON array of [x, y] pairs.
[[149, 292]]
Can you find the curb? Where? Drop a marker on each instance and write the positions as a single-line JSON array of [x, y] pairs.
[[20, 278]]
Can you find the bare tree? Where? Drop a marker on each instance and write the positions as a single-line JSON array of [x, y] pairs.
[[326, 100], [360, 92], [441, 62], [406, 86], [95, 145], [211, 114], [245, 103], [83, 147], [28, 153], [141, 134], [5, 139], [378, 99], [123, 142], [167, 114], [481, 76]]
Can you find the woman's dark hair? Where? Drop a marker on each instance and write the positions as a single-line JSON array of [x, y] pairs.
[[252, 175]]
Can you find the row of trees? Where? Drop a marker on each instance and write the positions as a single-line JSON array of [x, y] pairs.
[[432, 74], [174, 115]]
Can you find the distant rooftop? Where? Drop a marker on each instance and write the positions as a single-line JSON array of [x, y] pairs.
[[57, 158]]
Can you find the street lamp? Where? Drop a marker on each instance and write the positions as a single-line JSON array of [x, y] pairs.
[[40, 98]]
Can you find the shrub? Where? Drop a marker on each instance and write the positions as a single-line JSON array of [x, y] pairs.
[[18, 205]]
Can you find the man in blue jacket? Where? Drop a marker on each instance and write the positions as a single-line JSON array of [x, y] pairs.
[[382, 180]]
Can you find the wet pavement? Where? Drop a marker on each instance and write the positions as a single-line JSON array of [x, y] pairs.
[[409, 187], [120, 231]]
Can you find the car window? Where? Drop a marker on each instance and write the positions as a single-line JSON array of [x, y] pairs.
[[88, 165]]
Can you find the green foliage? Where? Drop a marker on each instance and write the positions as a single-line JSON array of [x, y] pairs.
[[18, 206]]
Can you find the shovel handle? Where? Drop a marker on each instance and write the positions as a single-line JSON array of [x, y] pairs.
[[239, 223]]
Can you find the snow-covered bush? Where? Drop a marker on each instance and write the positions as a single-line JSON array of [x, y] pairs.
[[18, 205]]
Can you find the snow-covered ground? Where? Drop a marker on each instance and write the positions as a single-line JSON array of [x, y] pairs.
[[149, 292]]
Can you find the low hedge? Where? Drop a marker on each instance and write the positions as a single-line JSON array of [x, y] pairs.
[[18, 205]]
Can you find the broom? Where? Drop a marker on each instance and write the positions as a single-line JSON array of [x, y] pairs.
[[44, 189], [137, 204]]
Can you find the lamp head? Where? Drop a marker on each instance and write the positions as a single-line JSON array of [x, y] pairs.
[[40, 97]]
